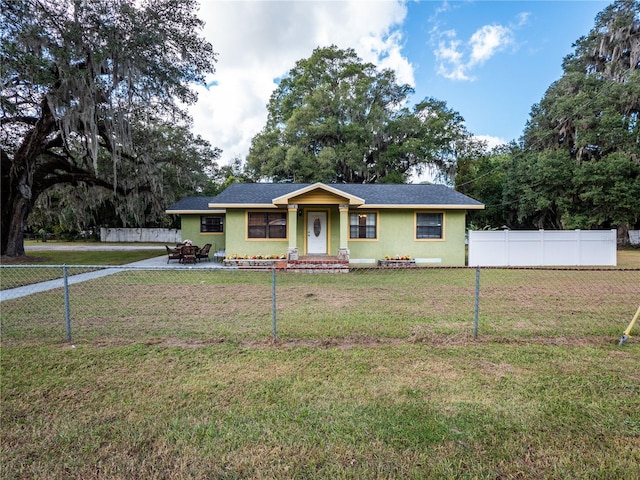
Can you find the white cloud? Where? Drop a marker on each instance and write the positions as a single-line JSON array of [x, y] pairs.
[[456, 59], [523, 18], [487, 41], [449, 48], [491, 141], [450, 56], [260, 41]]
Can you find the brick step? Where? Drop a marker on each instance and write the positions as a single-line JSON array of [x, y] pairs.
[[318, 264]]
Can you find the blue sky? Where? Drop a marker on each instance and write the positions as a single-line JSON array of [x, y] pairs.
[[531, 39], [490, 61]]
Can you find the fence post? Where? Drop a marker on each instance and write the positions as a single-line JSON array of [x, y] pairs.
[[67, 309], [477, 304], [273, 303]]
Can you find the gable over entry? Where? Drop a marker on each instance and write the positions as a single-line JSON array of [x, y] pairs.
[[318, 193]]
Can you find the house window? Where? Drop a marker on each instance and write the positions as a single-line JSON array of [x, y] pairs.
[[267, 225], [212, 224], [362, 225], [429, 225]]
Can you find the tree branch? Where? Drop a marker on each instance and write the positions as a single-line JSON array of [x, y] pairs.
[[20, 119], [57, 170]]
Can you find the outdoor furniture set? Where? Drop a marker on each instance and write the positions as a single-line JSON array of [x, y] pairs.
[[186, 253]]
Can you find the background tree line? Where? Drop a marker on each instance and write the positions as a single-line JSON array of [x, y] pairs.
[[577, 164], [94, 131]]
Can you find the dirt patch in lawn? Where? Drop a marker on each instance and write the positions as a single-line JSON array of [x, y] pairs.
[[25, 260], [440, 340]]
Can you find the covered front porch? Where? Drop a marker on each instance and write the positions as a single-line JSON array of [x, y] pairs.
[[318, 231], [318, 223]]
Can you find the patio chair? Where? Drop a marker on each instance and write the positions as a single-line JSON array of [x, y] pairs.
[[173, 254], [189, 254], [204, 252]]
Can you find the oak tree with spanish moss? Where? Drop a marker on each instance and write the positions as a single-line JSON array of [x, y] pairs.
[[335, 118], [80, 80]]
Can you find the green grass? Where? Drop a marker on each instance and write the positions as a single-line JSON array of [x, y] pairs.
[[401, 411], [375, 374], [66, 257], [85, 257], [629, 258]]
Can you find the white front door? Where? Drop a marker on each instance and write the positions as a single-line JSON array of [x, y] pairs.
[[316, 233]]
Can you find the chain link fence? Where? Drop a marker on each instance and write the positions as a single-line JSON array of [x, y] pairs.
[[188, 307]]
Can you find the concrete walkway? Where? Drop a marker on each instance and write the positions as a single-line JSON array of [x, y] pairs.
[[154, 263]]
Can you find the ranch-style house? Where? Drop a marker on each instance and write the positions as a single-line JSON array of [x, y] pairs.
[[359, 223]]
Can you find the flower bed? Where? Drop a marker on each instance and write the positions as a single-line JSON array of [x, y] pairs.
[[242, 262], [393, 262], [248, 261]]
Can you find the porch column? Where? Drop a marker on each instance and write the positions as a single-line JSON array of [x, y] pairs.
[[344, 226], [292, 222], [343, 250]]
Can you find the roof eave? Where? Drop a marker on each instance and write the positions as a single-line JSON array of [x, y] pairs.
[[241, 205], [424, 206], [192, 211]]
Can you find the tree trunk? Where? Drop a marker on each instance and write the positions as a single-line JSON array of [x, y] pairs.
[[17, 202], [13, 227], [18, 194], [623, 234]]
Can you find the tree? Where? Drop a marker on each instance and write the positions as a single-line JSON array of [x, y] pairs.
[[182, 164], [482, 177], [538, 189], [593, 109], [334, 118], [580, 159], [609, 192], [233, 172], [79, 80]]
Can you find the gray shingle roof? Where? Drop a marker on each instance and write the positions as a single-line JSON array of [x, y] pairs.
[[191, 204], [256, 192], [388, 194], [372, 194]]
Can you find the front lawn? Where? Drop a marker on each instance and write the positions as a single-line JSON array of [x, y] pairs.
[[375, 374]]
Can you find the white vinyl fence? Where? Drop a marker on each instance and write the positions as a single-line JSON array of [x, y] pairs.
[[634, 237], [542, 248], [164, 235]]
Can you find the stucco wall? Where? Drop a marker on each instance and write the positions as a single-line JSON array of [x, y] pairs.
[[237, 242], [396, 232], [191, 230], [396, 236]]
